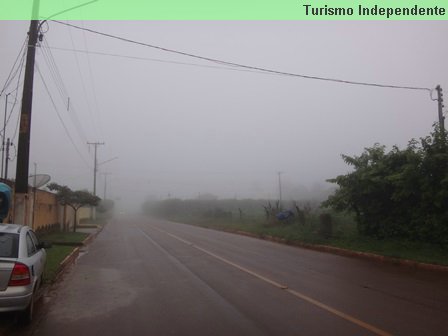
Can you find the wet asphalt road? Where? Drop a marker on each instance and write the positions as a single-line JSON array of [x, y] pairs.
[[150, 277]]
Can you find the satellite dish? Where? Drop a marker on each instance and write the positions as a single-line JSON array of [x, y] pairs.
[[38, 180]]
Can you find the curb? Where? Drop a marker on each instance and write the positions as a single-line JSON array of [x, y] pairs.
[[71, 258], [349, 253], [66, 262]]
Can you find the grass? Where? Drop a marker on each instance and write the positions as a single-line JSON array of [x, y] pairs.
[[64, 237], [55, 255], [402, 249], [344, 236], [63, 244]]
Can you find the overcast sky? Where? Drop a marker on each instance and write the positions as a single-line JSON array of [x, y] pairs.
[[182, 127]]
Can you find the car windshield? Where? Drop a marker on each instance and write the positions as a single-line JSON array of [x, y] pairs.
[[9, 245]]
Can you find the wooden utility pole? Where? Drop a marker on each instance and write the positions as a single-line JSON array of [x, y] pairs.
[[23, 149]]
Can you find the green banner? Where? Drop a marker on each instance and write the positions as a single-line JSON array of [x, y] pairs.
[[224, 10]]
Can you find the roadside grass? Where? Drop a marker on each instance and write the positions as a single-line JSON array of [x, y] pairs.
[[63, 244], [63, 237], [401, 249], [344, 235], [55, 255]]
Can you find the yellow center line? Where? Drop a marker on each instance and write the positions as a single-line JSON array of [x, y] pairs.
[[295, 293]]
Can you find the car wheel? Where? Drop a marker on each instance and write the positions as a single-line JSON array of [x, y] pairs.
[[26, 317]]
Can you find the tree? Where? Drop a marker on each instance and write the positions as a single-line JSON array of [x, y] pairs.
[[399, 194], [74, 199]]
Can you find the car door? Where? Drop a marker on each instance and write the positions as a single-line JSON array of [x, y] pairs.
[[42, 254], [34, 259]]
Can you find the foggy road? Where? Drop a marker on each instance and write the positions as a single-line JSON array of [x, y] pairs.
[[151, 277]]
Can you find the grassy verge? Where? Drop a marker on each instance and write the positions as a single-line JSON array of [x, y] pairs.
[[344, 235], [402, 249], [57, 253], [64, 237]]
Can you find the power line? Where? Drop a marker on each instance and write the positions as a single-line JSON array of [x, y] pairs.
[[158, 60], [57, 79], [8, 82], [59, 116], [89, 108], [173, 51], [21, 67], [16, 90], [54, 70], [11, 76], [92, 82]]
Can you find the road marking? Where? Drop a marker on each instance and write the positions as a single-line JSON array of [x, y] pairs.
[[343, 315], [295, 293]]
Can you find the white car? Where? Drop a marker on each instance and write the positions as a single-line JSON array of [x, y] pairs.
[[22, 263]]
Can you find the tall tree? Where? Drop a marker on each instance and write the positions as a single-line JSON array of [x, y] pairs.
[[74, 199]]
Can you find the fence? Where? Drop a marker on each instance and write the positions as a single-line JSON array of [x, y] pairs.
[[43, 212]]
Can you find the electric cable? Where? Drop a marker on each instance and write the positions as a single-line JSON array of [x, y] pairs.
[[57, 79], [11, 76], [173, 51], [60, 118], [92, 82], [21, 67], [89, 108], [159, 60]]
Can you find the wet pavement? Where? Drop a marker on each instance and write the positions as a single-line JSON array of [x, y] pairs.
[[150, 277]]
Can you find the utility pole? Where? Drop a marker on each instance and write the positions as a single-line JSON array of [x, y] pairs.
[[4, 131], [8, 143], [95, 170], [280, 188], [441, 106], [23, 150], [95, 163]]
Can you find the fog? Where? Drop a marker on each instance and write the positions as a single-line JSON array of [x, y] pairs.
[[178, 127]]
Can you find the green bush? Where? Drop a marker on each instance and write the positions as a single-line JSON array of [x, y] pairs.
[[399, 194]]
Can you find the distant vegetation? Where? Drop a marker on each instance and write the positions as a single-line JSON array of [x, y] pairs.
[[247, 209], [312, 226], [393, 203], [257, 216]]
